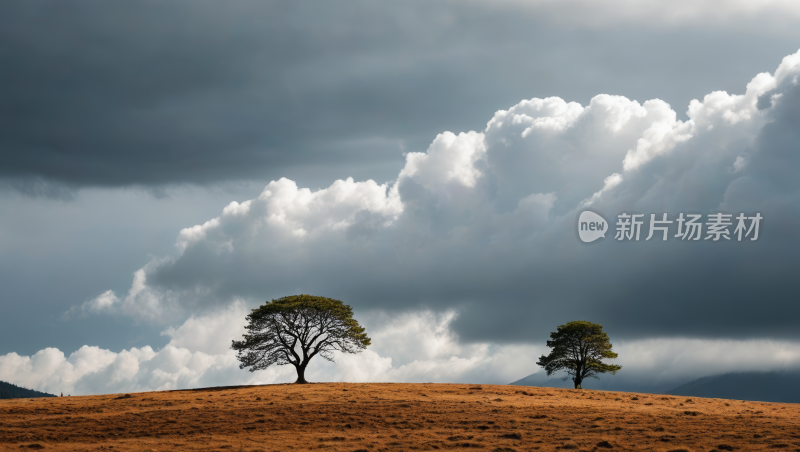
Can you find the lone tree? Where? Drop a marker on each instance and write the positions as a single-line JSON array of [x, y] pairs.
[[579, 348], [294, 329]]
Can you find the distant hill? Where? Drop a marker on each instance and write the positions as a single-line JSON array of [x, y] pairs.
[[760, 386], [9, 391], [756, 386]]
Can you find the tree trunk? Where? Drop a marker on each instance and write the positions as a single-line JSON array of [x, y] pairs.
[[301, 375], [577, 382]]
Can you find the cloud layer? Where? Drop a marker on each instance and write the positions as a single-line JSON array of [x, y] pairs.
[[479, 223], [484, 222], [266, 89]]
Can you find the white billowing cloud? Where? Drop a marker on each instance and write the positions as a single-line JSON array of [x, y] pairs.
[[49, 370], [422, 347], [658, 139], [485, 218], [450, 159], [92, 370], [211, 333], [105, 302], [717, 109], [301, 212], [609, 183], [283, 212], [198, 354], [142, 302], [552, 113], [739, 164], [102, 302], [197, 232], [549, 145], [413, 347]]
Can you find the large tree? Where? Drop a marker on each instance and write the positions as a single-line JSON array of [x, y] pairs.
[[579, 348], [294, 329]]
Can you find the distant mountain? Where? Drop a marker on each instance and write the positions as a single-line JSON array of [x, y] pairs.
[[9, 391], [605, 382], [540, 379], [760, 386], [756, 386]]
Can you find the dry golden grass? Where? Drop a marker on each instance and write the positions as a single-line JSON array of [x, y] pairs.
[[373, 417]]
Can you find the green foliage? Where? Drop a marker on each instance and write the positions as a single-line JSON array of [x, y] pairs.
[[294, 329], [579, 348]]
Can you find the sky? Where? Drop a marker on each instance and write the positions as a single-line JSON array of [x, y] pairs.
[[167, 166]]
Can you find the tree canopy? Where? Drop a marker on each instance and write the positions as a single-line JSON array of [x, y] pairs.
[[579, 348], [294, 329]]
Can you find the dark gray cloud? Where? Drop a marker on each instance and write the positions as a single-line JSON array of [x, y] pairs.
[[151, 93]]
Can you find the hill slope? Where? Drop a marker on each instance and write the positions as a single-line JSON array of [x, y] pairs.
[[10, 391], [372, 417]]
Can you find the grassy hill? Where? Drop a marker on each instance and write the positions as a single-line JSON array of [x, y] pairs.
[[10, 391], [395, 416]]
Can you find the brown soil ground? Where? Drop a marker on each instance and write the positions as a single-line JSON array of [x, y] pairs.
[[373, 417]]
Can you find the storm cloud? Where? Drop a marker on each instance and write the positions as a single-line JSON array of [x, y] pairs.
[[484, 222], [155, 94], [189, 160]]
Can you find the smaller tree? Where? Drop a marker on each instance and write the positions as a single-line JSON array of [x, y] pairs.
[[294, 329], [579, 348]]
